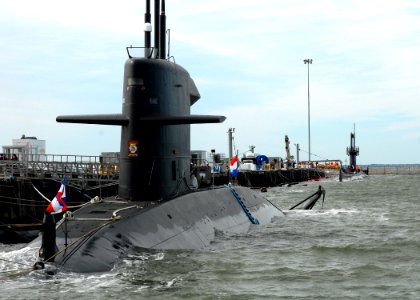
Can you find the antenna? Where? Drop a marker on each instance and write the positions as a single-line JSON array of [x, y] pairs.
[[157, 25], [147, 30], [169, 43], [162, 33]]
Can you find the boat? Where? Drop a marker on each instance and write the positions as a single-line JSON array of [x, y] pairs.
[[156, 206], [252, 161], [352, 151]]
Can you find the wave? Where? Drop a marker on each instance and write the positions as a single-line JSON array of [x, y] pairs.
[[18, 259], [322, 212]]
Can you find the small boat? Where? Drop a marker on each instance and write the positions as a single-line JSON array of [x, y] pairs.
[[252, 161]]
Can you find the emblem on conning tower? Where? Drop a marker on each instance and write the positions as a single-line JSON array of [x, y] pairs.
[[133, 148]]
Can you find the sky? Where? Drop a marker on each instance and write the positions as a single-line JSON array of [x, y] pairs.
[[246, 58]]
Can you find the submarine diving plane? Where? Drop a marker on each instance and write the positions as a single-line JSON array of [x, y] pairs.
[[156, 208]]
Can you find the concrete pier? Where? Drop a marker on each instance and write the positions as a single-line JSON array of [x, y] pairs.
[[268, 178], [393, 169]]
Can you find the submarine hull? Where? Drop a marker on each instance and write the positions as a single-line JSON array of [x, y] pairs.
[[96, 241]]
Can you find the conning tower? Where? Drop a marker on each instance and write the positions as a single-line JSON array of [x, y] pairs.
[[353, 151], [155, 120]]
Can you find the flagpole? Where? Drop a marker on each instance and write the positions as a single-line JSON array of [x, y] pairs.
[[233, 168], [236, 177]]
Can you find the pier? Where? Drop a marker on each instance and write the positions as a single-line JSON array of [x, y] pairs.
[[393, 169], [274, 178], [27, 182], [80, 170]]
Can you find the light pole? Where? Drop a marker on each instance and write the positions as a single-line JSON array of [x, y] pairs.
[[309, 61], [230, 139]]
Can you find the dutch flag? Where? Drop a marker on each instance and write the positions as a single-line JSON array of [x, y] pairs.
[[234, 166], [58, 204]]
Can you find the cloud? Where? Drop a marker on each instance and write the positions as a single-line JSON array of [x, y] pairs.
[[245, 56], [402, 125]]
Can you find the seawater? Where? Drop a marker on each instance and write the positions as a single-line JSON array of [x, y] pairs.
[[363, 242]]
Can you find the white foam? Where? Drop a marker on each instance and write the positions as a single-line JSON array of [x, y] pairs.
[[320, 212], [18, 259]]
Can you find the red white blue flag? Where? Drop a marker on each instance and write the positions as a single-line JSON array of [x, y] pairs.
[[58, 204], [234, 166]]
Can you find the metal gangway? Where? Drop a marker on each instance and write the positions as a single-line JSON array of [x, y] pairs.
[[74, 167]]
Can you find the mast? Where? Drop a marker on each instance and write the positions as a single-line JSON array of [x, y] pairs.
[[353, 151], [157, 25], [147, 31], [162, 29], [230, 141], [286, 139]]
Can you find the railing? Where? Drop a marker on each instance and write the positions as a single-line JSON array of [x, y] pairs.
[[394, 169], [353, 150], [57, 165]]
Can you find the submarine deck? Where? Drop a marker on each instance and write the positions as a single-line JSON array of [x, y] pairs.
[[98, 234]]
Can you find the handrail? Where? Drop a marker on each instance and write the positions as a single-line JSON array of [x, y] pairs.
[[77, 167], [64, 158]]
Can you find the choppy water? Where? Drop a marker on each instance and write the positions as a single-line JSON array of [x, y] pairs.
[[363, 244]]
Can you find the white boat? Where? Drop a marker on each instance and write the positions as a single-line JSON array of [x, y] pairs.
[[252, 161]]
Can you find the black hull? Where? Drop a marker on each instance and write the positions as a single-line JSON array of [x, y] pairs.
[[187, 222]]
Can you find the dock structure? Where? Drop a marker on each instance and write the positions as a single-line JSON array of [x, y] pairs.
[[79, 169], [274, 178], [262, 178], [27, 182], [393, 169]]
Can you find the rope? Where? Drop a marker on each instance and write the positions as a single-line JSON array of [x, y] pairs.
[[36, 205], [40, 193], [313, 154], [178, 187], [69, 215], [271, 202], [108, 221], [13, 273], [22, 204], [318, 193], [82, 237], [16, 272], [243, 206], [92, 200], [286, 179], [116, 201], [100, 186], [15, 262], [21, 199], [114, 214], [94, 219]]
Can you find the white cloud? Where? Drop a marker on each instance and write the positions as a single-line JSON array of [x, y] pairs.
[[246, 57], [402, 125]]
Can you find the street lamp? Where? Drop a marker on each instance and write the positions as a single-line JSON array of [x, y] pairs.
[[309, 61], [230, 140], [297, 153]]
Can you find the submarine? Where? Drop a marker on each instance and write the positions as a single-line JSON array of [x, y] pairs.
[[156, 206], [352, 152]]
